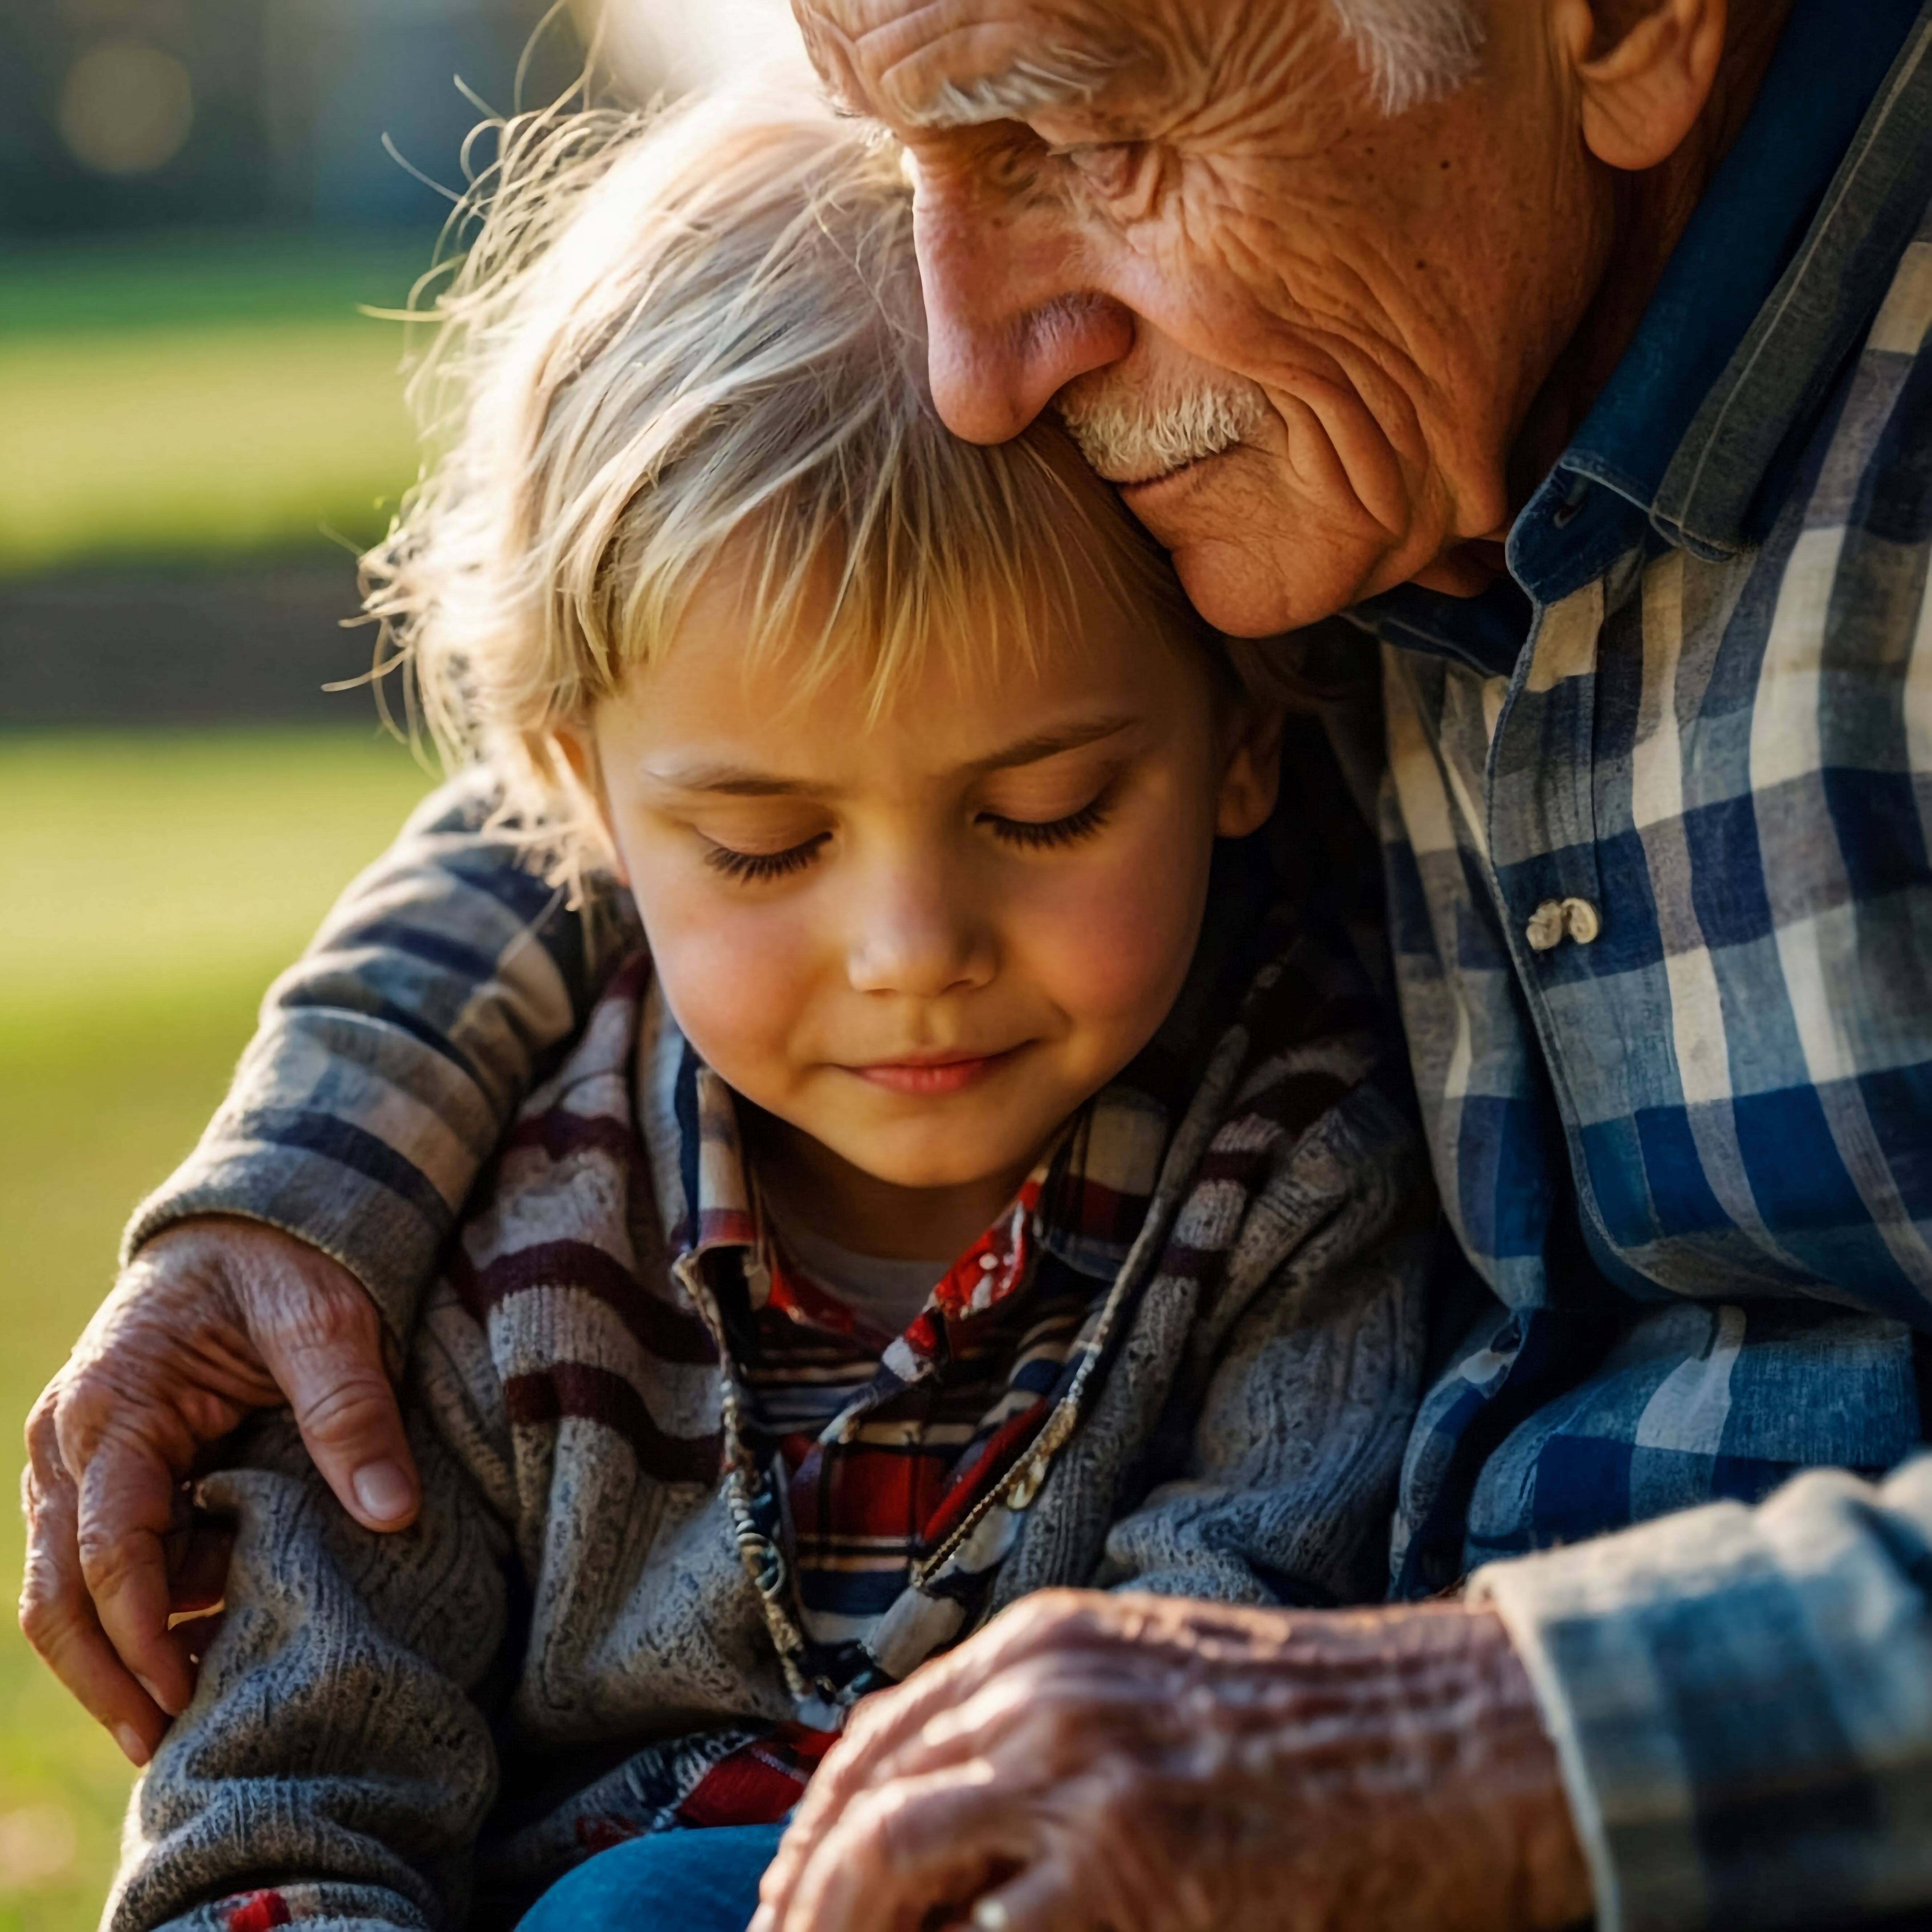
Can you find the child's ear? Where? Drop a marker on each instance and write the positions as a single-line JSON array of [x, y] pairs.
[[1251, 778], [580, 754]]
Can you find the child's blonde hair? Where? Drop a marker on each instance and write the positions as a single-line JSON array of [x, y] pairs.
[[672, 328]]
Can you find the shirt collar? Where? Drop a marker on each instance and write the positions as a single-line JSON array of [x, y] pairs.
[[1778, 273]]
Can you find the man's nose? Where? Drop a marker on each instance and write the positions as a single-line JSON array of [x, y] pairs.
[[1009, 322], [912, 935]]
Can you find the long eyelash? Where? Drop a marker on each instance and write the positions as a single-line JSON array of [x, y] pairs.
[[1067, 831], [755, 867]]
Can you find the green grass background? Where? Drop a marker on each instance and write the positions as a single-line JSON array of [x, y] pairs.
[[190, 396], [153, 886], [196, 400]]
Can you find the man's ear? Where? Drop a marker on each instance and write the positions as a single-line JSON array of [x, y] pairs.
[[1251, 778], [580, 753], [1644, 70]]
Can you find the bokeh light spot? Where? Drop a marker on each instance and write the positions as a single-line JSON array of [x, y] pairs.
[[125, 108]]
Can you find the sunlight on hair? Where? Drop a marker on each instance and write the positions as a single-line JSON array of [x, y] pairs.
[[675, 334], [672, 46]]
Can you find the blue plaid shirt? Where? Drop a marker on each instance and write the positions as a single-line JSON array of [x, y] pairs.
[[1656, 826]]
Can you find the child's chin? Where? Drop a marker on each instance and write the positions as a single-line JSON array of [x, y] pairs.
[[900, 1161], [926, 1175]]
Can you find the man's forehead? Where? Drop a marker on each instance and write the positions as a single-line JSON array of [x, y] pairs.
[[950, 63]]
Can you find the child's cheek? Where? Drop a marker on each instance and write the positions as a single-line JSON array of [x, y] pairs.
[[1113, 943], [732, 975]]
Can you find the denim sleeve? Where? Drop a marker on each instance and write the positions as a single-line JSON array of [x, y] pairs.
[[391, 1056], [1741, 1699]]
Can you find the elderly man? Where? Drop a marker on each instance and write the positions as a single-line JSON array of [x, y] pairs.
[[1575, 348]]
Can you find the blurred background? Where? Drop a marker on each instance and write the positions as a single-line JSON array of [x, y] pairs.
[[198, 430]]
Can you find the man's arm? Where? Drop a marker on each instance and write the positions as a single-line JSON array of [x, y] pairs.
[[1742, 1702], [284, 1259], [392, 1055], [1723, 1718]]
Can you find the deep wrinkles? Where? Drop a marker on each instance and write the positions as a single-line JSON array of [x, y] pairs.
[[1374, 1723]]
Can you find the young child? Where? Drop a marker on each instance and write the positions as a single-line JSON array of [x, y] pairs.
[[976, 1180]]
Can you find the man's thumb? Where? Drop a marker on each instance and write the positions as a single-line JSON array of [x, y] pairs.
[[328, 1364]]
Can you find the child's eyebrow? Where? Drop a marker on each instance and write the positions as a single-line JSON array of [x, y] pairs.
[[741, 781], [1050, 744], [734, 780]]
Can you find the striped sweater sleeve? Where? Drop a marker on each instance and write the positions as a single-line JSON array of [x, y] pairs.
[[389, 1059], [336, 1764]]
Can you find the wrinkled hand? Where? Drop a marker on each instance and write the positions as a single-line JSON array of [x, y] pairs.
[[1092, 1763], [212, 1319]]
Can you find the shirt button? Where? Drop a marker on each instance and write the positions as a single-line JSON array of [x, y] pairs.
[[1580, 920], [989, 1262], [1545, 930]]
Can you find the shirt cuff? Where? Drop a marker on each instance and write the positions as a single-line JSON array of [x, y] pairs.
[[1732, 1693]]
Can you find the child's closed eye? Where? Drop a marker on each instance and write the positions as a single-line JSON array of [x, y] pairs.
[[1040, 834], [753, 868], [1032, 834]]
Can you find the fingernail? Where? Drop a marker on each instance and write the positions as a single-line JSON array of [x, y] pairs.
[[129, 1739], [172, 1710], [383, 1491]]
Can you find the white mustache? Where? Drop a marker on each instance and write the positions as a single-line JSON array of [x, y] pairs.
[[1131, 438]]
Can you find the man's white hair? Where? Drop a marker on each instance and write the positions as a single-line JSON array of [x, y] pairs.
[[1412, 48], [1410, 51]]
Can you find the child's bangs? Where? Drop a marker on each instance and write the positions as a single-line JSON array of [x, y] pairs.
[[690, 346], [939, 557]]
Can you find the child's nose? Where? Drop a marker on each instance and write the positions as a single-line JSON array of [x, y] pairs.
[[914, 935]]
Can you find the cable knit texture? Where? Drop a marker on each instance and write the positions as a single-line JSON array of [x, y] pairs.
[[425, 1729]]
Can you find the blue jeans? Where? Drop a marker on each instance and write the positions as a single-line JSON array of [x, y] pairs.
[[698, 1881]]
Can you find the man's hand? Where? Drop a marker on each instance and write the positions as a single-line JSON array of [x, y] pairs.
[[212, 1319], [1092, 1763]]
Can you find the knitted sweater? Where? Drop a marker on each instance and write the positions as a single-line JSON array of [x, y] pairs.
[[426, 1728]]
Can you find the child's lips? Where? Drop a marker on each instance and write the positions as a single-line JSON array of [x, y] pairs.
[[933, 1073]]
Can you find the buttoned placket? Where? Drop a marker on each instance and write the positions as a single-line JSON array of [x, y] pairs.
[[1554, 906]]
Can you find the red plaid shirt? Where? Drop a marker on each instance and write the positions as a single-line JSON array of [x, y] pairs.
[[884, 1451], [874, 1458]]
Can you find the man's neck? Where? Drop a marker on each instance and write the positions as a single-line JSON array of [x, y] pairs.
[[1653, 210]]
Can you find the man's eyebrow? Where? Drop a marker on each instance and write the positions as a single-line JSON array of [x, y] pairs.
[[1054, 77], [729, 781]]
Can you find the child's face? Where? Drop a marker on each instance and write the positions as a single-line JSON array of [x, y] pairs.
[[924, 942]]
